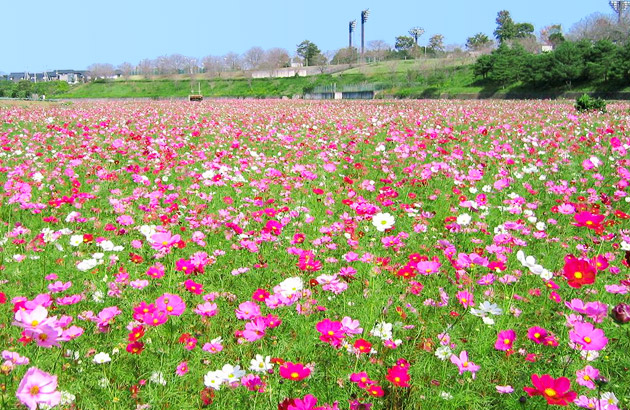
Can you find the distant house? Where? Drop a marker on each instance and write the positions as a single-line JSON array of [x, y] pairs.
[[71, 76], [16, 77]]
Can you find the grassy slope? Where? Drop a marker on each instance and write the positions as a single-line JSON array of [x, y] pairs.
[[411, 78]]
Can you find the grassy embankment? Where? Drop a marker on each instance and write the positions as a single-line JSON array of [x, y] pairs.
[[400, 79]]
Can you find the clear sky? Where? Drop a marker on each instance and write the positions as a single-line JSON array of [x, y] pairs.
[[38, 35]]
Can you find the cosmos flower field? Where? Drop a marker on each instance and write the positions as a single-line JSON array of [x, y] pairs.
[[314, 255]]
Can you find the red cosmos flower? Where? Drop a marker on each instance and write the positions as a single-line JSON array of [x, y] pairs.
[[136, 333], [398, 376], [579, 272], [3, 298], [135, 258], [588, 220], [135, 347], [294, 371], [555, 391], [407, 272], [362, 346]]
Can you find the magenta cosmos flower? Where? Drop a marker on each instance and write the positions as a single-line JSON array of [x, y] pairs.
[[588, 337], [555, 391], [38, 387], [505, 340], [294, 371]]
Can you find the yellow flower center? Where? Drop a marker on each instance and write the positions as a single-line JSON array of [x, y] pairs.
[[295, 375], [587, 377], [34, 391], [507, 341], [465, 364], [589, 222], [396, 379], [587, 339], [164, 243], [34, 323], [550, 392], [169, 308], [537, 335], [330, 333], [578, 275]]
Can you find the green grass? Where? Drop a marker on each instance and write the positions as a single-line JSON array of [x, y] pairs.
[[424, 78]]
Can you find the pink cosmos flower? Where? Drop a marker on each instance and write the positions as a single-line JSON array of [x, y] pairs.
[[537, 334], [38, 387], [255, 329], [182, 369], [156, 271], [504, 389], [206, 309], [428, 267], [361, 379], [586, 377], [247, 310], [155, 318], [463, 364], [307, 403], [163, 241], [331, 332], [173, 305], [588, 337], [294, 371], [505, 340], [465, 298], [213, 347]]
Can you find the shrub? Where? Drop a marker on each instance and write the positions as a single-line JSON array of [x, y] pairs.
[[588, 103]]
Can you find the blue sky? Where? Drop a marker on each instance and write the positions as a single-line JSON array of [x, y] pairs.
[[38, 35]]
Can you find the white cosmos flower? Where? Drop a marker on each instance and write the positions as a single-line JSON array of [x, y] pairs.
[[291, 286], [261, 364], [382, 330], [213, 379], [382, 221], [101, 358], [443, 352], [76, 240], [463, 219], [87, 264], [158, 378], [231, 373]]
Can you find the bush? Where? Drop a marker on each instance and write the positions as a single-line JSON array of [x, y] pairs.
[[588, 103]]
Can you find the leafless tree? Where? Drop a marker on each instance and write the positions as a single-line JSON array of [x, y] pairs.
[[146, 67], [276, 58], [378, 49], [253, 58], [126, 69], [232, 61], [101, 70], [213, 65], [598, 26]]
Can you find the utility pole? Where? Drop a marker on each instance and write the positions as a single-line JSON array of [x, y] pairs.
[[619, 7], [351, 26]]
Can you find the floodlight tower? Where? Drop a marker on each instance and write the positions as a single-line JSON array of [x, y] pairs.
[[364, 16], [619, 7], [416, 32], [351, 26]]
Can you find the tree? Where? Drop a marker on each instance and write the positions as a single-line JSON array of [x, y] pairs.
[[436, 43], [378, 49], [253, 58], [484, 65], [478, 42], [276, 58], [232, 61], [146, 67], [507, 29], [547, 32], [404, 43], [599, 26], [126, 69], [308, 51], [346, 56], [101, 70], [213, 65]]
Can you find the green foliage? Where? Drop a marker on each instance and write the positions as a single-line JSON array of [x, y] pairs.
[[308, 51], [507, 29], [588, 103], [478, 42]]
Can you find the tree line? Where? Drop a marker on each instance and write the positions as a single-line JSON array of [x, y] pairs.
[[604, 63]]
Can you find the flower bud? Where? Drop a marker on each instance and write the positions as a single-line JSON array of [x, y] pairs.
[[621, 313]]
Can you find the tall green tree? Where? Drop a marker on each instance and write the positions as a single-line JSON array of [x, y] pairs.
[[507, 29], [436, 43], [478, 42], [308, 51]]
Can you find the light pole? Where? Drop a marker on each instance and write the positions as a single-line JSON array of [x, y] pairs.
[[416, 32], [351, 26], [619, 7], [364, 16]]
